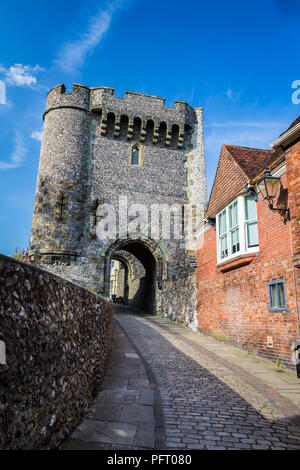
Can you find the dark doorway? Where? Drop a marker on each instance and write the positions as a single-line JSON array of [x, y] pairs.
[[136, 274]]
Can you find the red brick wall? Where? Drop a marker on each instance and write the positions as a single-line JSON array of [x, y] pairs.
[[234, 305], [292, 156]]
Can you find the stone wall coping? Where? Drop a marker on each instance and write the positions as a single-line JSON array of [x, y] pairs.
[[6, 258], [128, 94]]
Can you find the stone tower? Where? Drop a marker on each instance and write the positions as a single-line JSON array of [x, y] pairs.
[[99, 149]]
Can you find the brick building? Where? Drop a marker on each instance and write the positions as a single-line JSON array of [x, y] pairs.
[[248, 271]]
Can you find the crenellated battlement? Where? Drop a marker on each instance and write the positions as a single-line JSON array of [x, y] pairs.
[[141, 105], [138, 113], [59, 98], [142, 115]]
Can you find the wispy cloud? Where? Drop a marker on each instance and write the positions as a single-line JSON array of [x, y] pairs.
[[72, 54], [21, 75], [215, 140], [233, 95], [235, 124], [37, 135], [17, 156]]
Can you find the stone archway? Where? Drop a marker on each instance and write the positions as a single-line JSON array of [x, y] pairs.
[[152, 256], [126, 279]]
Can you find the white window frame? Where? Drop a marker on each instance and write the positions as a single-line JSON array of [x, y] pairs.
[[242, 224], [249, 249]]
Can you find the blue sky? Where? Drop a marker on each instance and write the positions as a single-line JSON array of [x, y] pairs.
[[236, 59]]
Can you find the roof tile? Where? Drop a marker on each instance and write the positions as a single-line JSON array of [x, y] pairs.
[[237, 165], [252, 161]]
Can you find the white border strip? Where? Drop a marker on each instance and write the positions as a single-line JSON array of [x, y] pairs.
[[287, 134]]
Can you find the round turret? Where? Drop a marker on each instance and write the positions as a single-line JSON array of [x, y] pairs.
[[61, 196]]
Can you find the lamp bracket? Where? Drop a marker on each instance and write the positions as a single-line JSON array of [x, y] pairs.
[[285, 213], [252, 192]]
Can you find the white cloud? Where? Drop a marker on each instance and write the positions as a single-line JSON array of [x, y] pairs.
[[233, 95], [258, 124], [37, 135], [21, 75], [17, 156], [72, 54]]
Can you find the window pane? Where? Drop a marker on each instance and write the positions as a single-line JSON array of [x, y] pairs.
[[273, 296], [223, 247], [277, 295], [252, 234], [235, 240], [233, 214], [281, 294], [222, 223], [135, 156], [250, 208]]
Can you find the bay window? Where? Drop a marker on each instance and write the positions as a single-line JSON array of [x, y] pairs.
[[237, 231]]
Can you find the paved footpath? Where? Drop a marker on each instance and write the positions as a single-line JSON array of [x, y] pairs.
[[171, 388], [122, 416]]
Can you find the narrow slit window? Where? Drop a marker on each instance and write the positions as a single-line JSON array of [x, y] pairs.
[[135, 156]]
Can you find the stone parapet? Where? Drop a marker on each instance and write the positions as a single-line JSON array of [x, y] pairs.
[[58, 340]]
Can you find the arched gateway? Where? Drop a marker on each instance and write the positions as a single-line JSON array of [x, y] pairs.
[[140, 288], [134, 159]]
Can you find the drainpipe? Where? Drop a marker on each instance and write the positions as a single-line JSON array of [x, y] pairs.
[[294, 281], [297, 342]]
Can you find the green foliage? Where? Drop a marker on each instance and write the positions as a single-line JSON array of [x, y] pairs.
[[278, 363]]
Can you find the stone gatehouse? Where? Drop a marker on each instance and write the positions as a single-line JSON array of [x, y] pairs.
[[99, 149]]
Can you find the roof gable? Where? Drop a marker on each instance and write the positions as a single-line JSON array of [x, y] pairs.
[[229, 180], [252, 161], [237, 165]]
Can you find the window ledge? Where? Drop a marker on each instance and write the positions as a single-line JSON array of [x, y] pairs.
[[279, 309], [237, 262]]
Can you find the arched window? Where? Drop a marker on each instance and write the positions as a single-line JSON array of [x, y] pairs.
[[135, 155]]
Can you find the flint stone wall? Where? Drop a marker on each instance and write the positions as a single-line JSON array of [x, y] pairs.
[[85, 161], [179, 301], [58, 339]]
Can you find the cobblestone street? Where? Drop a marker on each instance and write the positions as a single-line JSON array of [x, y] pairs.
[[201, 400]]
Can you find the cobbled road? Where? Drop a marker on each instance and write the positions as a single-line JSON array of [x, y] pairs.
[[200, 402]]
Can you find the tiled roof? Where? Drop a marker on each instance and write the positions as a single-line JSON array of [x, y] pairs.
[[237, 165], [252, 161]]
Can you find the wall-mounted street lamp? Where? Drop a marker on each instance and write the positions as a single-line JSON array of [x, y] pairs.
[[268, 185]]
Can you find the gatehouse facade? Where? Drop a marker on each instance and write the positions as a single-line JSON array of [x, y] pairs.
[[102, 153]]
